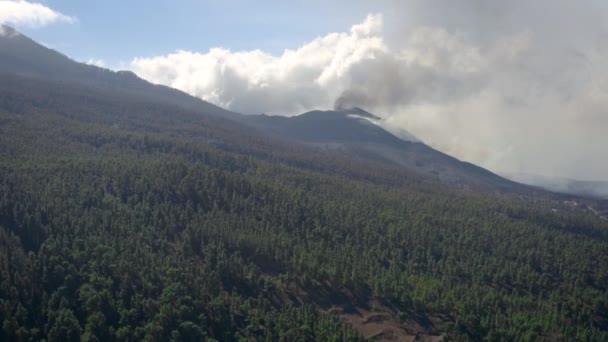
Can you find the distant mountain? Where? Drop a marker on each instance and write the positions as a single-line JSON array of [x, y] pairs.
[[356, 133], [325, 127], [597, 189], [352, 132], [20, 55]]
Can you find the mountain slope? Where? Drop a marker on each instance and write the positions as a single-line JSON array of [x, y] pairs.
[[349, 132], [124, 218], [19, 55], [354, 133]]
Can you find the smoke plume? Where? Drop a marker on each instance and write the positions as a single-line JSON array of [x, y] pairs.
[[515, 86]]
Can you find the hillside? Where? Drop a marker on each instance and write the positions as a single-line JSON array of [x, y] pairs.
[[353, 133], [19, 55], [129, 218], [348, 132]]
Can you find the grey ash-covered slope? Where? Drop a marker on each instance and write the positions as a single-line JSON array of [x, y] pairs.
[[21, 56]]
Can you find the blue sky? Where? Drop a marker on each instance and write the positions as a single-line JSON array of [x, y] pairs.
[[118, 31]]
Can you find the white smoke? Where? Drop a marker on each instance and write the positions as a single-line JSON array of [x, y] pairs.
[[512, 86]]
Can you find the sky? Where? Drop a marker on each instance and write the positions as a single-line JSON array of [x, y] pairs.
[[514, 86], [116, 31]]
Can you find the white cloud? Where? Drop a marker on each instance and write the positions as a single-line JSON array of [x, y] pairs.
[[26, 13], [255, 81], [96, 62], [514, 86]]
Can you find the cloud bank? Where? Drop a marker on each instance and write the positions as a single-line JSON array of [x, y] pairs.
[[24, 13], [514, 86], [255, 81]]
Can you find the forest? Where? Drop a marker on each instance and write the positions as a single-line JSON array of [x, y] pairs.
[[129, 220]]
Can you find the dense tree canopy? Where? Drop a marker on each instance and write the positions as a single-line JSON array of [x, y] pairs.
[[122, 220]]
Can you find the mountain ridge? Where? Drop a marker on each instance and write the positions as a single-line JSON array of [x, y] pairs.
[[350, 132], [23, 56], [125, 217]]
